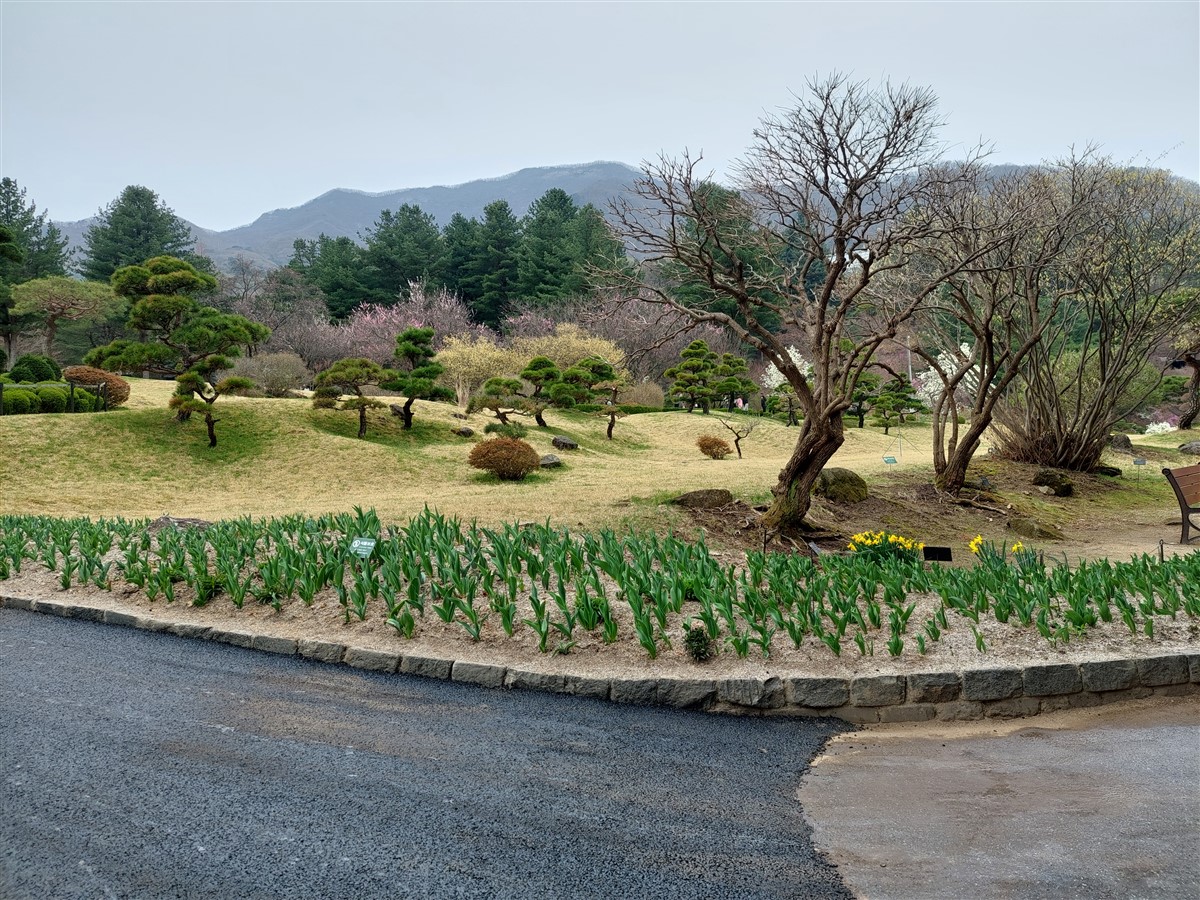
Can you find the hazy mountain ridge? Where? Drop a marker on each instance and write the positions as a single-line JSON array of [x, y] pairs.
[[347, 212]]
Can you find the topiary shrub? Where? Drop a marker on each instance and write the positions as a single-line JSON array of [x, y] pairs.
[[507, 429], [326, 397], [713, 447], [53, 400], [118, 387], [32, 367], [508, 459], [85, 401], [19, 402]]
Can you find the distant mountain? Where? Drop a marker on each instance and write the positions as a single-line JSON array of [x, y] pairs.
[[268, 240]]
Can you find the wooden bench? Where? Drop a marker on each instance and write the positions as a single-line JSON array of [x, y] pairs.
[[1186, 483]]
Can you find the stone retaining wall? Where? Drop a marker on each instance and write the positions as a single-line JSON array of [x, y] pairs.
[[969, 694]]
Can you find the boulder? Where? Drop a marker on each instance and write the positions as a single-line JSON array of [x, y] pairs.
[[1120, 443], [1054, 482], [464, 431], [1190, 447], [1110, 471], [710, 498], [841, 485], [550, 461], [562, 442], [1032, 528]]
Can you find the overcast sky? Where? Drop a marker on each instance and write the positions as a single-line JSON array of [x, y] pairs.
[[229, 110]]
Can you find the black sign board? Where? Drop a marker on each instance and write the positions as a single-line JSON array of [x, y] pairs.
[[937, 554]]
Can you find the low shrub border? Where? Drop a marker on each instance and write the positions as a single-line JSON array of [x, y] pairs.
[[971, 693]]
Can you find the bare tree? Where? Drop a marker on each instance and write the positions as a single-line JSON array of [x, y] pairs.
[[1015, 229], [1142, 245], [740, 431], [836, 192]]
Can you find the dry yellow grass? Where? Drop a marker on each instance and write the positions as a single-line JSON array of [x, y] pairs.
[[278, 457]]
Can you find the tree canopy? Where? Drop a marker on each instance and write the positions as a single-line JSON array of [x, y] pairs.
[[134, 227], [183, 338]]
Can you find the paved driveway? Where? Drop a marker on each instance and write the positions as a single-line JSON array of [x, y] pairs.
[[143, 765], [1090, 804]]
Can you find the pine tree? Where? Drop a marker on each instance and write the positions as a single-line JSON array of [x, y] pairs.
[[32, 247], [694, 377], [402, 248], [136, 226], [181, 337], [335, 265], [462, 274], [417, 376], [500, 239]]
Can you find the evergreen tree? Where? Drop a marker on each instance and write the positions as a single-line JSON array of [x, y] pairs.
[[417, 375], [31, 247], [462, 275], [547, 257], [335, 265], [403, 247], [181, 337], [57, 299], [500, 239], [350, 376], [136, 226], [40, 240], [694, 377], [895, 400], [10, 258], [731, 379], [593, 244]]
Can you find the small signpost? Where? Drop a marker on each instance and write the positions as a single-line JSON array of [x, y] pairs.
[[1140, 462], [937, 554], [362, 546], [890, 460]]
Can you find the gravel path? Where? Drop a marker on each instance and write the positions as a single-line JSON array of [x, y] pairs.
[[143, 765]]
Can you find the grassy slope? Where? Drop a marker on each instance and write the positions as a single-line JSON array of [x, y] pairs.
[[282, 456]]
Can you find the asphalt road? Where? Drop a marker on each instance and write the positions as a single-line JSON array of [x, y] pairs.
[[144, 765]]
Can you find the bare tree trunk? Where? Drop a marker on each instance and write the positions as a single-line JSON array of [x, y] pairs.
[[362, 421], [541, 422], [954, 468], [210, 424], [406, 415], [51, 331], [820, 438]]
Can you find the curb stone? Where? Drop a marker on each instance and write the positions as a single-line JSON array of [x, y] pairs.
[[971, 694]]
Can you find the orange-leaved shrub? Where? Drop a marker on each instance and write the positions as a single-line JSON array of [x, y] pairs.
[[118, 387], [509, 459], [713, 447]]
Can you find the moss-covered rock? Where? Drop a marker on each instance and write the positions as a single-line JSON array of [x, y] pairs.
[[841, 486]]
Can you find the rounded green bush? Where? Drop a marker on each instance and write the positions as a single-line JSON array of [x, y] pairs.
[[85, 401], [32, 367], [19, 402], [53, 400]]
